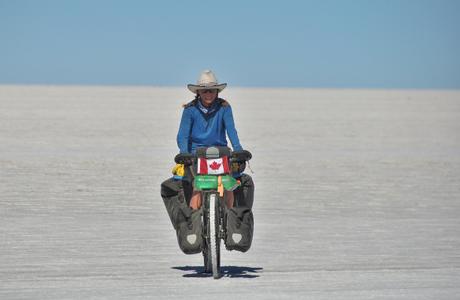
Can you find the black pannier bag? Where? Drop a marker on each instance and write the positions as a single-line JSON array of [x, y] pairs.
[[189, 234], [239, 222]]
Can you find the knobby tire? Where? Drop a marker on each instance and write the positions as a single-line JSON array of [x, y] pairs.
[[214, 242]]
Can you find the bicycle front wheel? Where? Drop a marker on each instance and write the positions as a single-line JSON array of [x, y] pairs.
[[214, 240]]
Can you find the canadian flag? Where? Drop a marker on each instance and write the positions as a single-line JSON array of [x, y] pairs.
[[213, 166]]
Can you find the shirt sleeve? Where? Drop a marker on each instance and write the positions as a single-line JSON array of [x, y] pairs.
[[183, 136], [231, 130]]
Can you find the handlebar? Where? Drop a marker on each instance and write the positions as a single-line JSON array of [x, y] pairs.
[[236, 156]]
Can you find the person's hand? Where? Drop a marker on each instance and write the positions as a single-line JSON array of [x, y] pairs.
[[241, 155], [184, 158]]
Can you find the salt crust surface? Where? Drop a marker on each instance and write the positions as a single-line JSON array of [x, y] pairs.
[[357, 195]]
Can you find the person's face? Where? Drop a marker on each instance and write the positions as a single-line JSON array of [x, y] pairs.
[[207, 96]]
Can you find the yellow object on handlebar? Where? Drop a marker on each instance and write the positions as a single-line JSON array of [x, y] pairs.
[[179, 170]]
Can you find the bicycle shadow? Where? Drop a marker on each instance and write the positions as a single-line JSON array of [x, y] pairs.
[[226, 271]]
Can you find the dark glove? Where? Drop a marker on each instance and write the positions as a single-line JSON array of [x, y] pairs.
[[184, 158], [241, 155]]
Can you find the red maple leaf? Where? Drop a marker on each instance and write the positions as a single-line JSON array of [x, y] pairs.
[[214, 165]]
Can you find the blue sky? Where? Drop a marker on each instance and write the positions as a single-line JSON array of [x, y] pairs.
[[337, 44]]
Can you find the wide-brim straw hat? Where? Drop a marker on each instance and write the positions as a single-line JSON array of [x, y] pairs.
[[206, 81]]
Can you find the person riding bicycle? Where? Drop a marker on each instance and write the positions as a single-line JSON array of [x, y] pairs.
[[205, 122]]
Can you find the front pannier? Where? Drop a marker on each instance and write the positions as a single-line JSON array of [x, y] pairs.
[[189, 234], [240, 228]]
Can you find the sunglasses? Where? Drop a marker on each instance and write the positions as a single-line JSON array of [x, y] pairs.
[[209, 91]]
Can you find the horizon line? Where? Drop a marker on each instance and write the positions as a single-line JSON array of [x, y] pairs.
[[231, 87]]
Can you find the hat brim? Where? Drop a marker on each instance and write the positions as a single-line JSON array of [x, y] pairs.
[[195, 88]]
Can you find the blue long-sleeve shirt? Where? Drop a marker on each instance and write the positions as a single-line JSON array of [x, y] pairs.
[[202, 127]]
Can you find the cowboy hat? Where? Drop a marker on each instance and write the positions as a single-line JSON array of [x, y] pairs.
[[206, 81]]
